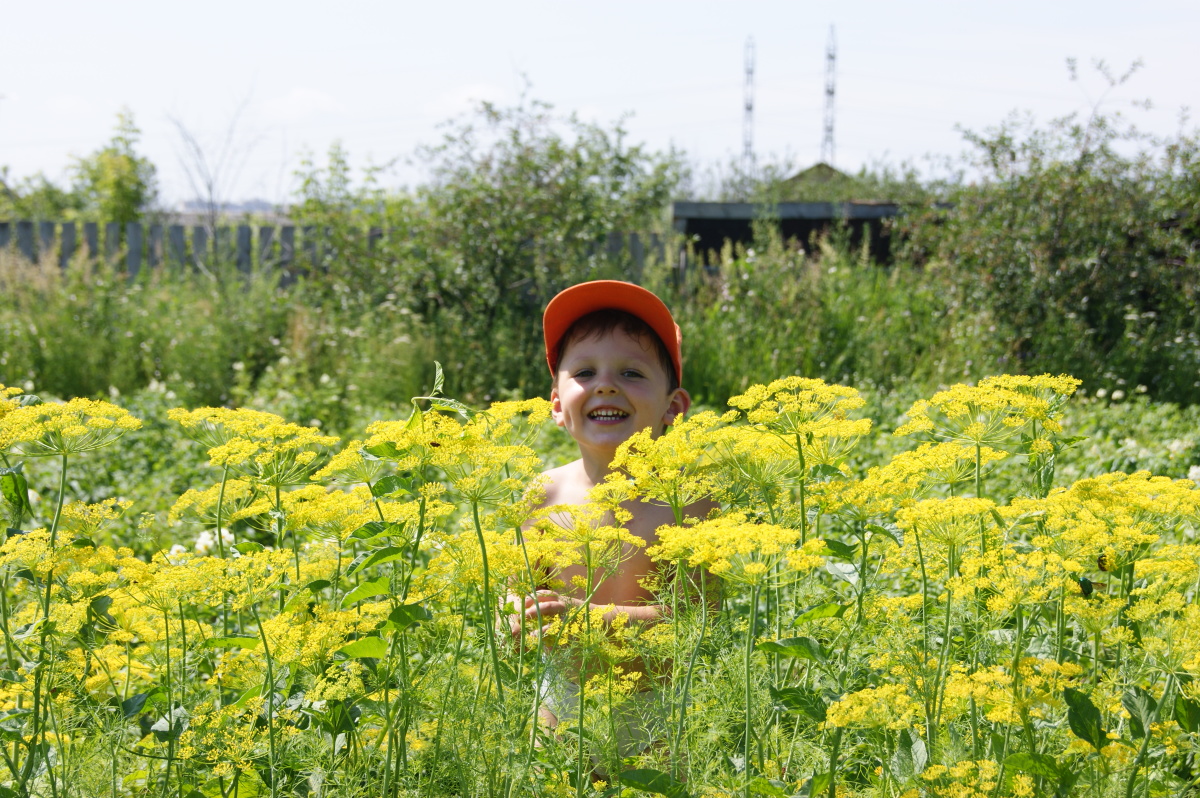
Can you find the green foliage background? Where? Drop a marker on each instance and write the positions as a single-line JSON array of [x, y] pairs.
[[1069, 247]]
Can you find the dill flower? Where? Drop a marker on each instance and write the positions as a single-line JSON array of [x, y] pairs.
[[50, 428], [261, 446], [992, 412], [1112, 519], [674, 468], [906, 477], [738, 550], [805, 407], [965, 779], [84, 519], [889, 706]]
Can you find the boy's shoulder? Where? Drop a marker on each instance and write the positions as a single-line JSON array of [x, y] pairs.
[[567, 484]]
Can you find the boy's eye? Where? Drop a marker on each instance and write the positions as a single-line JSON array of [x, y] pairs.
[[632, 373], [584, 373]]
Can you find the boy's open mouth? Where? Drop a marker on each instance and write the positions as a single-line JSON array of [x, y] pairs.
[[607, 414]]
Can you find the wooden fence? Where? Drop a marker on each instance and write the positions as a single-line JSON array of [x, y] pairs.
[[249, 248]]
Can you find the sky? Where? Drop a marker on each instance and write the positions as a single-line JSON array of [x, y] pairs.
[[269, 83]]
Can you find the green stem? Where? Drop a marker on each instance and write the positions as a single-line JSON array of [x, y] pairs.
[[750, 635], [687, 679], [488, 607], [270, 689]]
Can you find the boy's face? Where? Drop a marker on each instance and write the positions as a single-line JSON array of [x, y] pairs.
[[609, 387]]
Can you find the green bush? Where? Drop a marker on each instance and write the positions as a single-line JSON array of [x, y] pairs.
[[1081, 240]]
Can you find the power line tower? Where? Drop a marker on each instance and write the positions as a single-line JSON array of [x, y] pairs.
[[830, 90], [748, 112]]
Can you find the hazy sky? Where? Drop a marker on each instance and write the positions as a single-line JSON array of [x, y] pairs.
[[382, 76]]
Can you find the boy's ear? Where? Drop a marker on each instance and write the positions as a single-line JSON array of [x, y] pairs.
[[681, 400], [556, 407]]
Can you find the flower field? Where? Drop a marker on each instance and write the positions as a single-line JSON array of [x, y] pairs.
[[903, 607]]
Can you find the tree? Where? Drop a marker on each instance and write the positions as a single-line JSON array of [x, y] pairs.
[[1079, 237], [36, 198], [114, 183], [520, 205]]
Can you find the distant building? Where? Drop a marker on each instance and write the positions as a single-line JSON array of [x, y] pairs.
[[816, 208]]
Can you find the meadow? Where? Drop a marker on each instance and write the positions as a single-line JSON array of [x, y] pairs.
[[960, 599], [258, 542]]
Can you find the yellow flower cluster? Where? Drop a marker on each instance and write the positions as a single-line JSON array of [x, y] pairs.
[[993, 411], [890, 706], [1115, 516], [738, 549], [966, 779], [810, 408], [675, 467], [1004, 699], [50, 428]]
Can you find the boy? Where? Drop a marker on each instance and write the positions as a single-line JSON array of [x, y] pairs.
[[613, 352]]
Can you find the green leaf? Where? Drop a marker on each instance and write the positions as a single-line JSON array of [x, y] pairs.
[[816, 786], [133, 705], [761, 786], [390, 485], [83, 543], [846, 571], [375, 587], [8, 792], [1042, 765], [798, 647], [386, 450], [836, 548], [1084, 718], [891, 531], [910, 757], [824, 470], [409, 615], [439, 379], [366, 647], [653, 781], [234, 641], [380, 556], [374, 529], [253, 692], [302, 595], [15, 489], [1187, 714], [248, 547], [1142, 709], [821, 611], [800, 700]]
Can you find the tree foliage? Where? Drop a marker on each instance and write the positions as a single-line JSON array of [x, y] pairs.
[[1080, 237], [115, 183], [112, 184]]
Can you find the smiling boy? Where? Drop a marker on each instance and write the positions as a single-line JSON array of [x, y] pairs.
[[613, 350]]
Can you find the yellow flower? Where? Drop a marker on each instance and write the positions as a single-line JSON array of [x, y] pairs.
[[739, 550], [890, 706], [992, 412], [674, 468], [80, 425], [810, 408], [261, 446]]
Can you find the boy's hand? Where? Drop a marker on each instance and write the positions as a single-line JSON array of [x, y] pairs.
[[538, 607]]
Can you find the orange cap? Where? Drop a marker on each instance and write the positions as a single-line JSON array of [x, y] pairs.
[[577, 301]]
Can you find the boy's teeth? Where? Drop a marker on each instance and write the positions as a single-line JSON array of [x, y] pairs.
[[606, 414]]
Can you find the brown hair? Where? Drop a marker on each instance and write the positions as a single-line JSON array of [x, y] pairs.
[[602, 322]]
